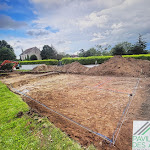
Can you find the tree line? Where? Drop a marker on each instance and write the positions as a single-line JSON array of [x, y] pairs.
[[49, 52], [123, 48]]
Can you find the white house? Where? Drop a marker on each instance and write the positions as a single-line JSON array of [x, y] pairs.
[[29, 52]]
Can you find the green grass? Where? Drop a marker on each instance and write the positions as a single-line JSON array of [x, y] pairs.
[[28, 132], [22, 70]]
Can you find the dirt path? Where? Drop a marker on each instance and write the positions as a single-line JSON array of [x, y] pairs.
[[96, 102]]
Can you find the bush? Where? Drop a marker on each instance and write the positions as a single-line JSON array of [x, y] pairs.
[[100, 59], [82, 60], [7, 67], [47, 62], [86, 60], [140, 56]]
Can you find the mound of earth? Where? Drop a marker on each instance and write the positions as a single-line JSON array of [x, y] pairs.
[[42, 67], [120, 66], [74, 67], [117, 66]]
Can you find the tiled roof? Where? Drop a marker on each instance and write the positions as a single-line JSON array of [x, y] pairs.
[[29, 50]]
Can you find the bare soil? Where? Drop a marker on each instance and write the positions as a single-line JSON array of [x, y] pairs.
[[116, 66], [119, 66], [97, 102]]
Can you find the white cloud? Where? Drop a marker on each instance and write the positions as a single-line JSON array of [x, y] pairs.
[[94, 19], [86, 23], [97, 36]]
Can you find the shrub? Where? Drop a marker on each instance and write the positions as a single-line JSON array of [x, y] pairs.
[[86, 60], [140, 56], [47, 62], [100, 59], [7, 67]]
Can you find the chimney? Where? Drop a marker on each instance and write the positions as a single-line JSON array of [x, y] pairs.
[[22, 50]]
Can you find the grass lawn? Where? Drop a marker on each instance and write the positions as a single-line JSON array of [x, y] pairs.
[[28, 132], [22, 70]]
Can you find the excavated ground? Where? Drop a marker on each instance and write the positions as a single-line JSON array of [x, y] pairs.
[[96, 102]]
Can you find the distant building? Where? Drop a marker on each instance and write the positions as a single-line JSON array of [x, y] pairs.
[[74, 56], [29, 52]]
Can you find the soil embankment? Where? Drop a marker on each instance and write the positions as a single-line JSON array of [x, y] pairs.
[[116, 66]]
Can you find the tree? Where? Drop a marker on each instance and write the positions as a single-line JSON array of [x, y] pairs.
[[91, 52], [139, 47], [126, 46], [6, 51], [118, 50], [48, 52], [121, 48], [81, 53], [6, 54], [103, 50], [3, 43], [33, 57]]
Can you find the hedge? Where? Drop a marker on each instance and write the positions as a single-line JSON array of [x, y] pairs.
[[86, 60], [140, 56], [100, 59], [82, 60], [47, 62]]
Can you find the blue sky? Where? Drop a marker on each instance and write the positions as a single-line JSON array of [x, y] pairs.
[[71, 25]]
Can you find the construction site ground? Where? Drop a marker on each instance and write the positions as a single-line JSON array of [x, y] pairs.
[[96, 102]]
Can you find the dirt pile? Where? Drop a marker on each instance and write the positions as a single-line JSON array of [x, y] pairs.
[[117, 66], [42, 67], [74, 67], [120, 66]]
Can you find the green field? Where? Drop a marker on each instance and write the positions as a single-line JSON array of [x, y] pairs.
[[28, 132]]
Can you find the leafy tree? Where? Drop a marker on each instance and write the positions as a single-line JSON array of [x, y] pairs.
[[48, 52], [139, 47], [3, 43], [81, 53], [121, 48], [103, 50], [6, 51], [66, 55], [6, 54], [118, 50], [91, 52], [126, 46], [33, 57]]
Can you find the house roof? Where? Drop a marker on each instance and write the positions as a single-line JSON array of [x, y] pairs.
[[29, 50]]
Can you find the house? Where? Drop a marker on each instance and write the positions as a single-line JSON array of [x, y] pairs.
[[29, 52]]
